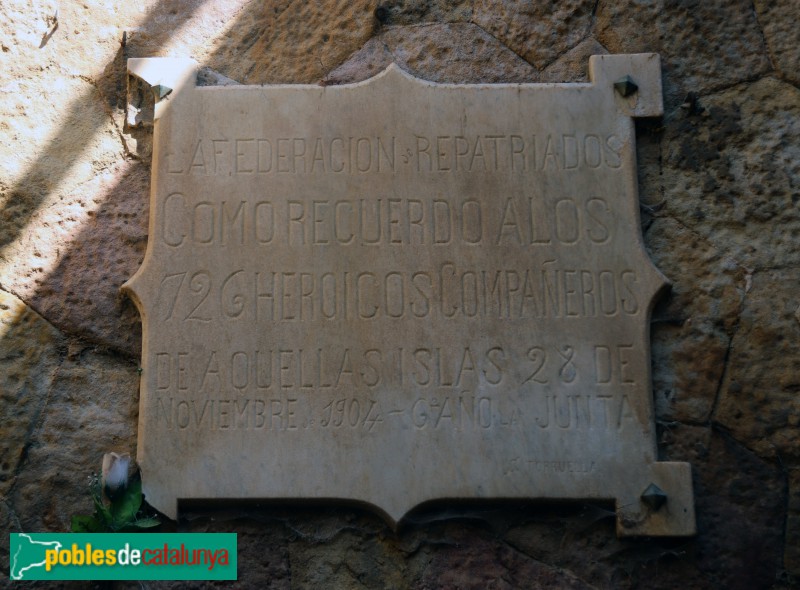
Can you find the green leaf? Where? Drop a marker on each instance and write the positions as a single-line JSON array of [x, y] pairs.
[[146, 523], [84, 523], [124, 508], [102, 513]]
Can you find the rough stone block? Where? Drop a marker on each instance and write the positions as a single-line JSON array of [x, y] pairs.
[[30, 353]]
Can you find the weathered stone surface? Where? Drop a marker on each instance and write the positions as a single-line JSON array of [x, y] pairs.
[[40, 171], [759, 400], [741, 507], [91, 410], [261, 546], [171, 27], [467, 560], [703, 45], [693, 325], [778, 19], [411, 12], [208, 77], [294, 42], [64, 66], [25, 28], [75, 281], [356, 550], [791, 557], [53, 39], [454, 53], [571, 66], [457, 53], [688, 364], [351, 558], [537, 31], [57, 141], [731, 172], [578, 540], [7, 525], [62, 162], [721, 555], [545, 533], [30, 353], [263, 540], [365, 63]]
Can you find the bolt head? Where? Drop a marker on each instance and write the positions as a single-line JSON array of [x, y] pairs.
[[160, 91], [654, 497], [626, 86]]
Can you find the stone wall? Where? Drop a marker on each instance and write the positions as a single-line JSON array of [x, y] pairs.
[[720, 200]]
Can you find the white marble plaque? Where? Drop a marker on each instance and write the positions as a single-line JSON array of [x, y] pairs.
[[398, 291]]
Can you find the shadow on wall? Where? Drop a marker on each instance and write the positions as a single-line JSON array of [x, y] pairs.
[[104, 225], [74, 292], [66, 252], [104, 222]]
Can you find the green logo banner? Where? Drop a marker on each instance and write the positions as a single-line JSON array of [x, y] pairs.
[[119, 556]]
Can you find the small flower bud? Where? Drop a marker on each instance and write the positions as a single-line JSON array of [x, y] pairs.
[[115, 473]]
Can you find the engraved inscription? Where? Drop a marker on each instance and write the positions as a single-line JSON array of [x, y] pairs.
[[449, 292], [397, 291], [375, 220], [317, 370], [458, 414], [496, 152]]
